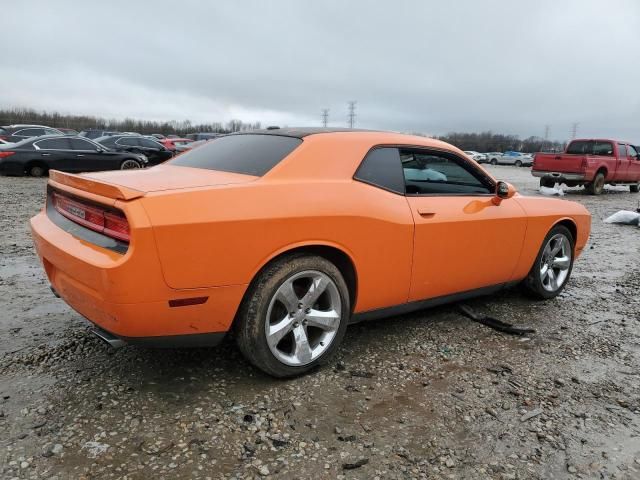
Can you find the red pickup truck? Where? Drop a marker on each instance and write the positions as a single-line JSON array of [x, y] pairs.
[[592, 163]]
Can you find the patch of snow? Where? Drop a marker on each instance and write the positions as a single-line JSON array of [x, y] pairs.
[[624, 216], [552, 191]]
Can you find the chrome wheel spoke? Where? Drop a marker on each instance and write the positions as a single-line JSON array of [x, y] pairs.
[[287, 296], [326, 320], [302, 351], [562, 263], [317, 288], [553, 281], [279, 330]]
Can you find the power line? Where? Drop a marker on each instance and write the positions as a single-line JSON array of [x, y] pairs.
[[325, 117], [351, 117]]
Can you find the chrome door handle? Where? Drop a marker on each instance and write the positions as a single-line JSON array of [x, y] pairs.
[[45, 154], [79, 155]]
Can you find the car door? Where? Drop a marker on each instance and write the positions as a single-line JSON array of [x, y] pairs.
[[155, 152], [462, 240], [633, 168], [88, 157], [55, 153]]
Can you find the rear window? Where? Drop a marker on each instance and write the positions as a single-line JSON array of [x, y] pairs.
[[581, 147], [249, 154]]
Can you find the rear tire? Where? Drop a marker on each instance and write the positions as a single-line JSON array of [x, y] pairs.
[[553, 265], [37, 171], [634, 188], [129, 164], [494, 161], [518, 163], [597, 186], [304, 295]]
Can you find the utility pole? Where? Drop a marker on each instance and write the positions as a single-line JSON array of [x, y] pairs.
[[351, 117], [325, 117], [574, 129], [546, 133]]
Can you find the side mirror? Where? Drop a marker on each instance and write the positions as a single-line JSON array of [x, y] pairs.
[[504, 191]]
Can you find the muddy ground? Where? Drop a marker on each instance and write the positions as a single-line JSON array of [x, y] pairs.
[[426, 395]]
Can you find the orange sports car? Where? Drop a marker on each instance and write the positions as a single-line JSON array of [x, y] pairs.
[[286, 236]]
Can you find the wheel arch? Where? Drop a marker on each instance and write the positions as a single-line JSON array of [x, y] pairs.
[[334, 253], [36, 163], [570, 225], [603, 169]]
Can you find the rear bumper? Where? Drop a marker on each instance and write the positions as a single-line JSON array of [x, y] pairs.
[[125, 295], [574, 177]]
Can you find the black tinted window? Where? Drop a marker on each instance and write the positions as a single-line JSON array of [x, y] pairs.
[[249, 154], [602, 148], [78, 144], [633, 151], [622, 150], [381, 167], [128, 141], [30, 132], [580, 147], [53, 144], [145, 142], [432, 173]]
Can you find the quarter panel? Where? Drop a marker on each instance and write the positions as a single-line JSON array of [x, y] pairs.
[[223, 236]]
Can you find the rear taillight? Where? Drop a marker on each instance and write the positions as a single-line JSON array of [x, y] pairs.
[[6, 154], [107, 222]]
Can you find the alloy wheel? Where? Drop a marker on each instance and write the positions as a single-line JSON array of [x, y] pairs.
[[129, 164], [303, 318], [555, 262]]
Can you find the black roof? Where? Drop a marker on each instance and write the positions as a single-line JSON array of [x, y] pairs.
[[299, 132]]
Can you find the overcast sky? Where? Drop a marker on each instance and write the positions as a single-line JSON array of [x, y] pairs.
[[418, 66]]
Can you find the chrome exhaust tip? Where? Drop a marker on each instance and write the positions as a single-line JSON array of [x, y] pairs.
[[107, 338]]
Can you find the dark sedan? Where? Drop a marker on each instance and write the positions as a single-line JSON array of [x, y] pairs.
[[154, 151], [36, 156], [16, 133]]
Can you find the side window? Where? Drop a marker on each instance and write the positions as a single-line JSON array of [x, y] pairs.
[[633, 151], [78, 144], [603, 148], [381, 167], [435, 173], [622, 150], [53, 144], [145, 142], [128, 141], [30, 132], [51, 131]]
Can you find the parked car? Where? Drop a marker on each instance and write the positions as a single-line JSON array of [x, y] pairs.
[[154, 151], [68, 131], [94, 133], [173, 143], [592, 163], [516, 158], [493, 157], [16, 133], [159, 136], [36, 156], [289, 235], [202, 135], [477, 156]]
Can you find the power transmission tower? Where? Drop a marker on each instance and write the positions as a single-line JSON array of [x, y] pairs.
[[351, 117], [574, 129], [546, 133], [325, 117]]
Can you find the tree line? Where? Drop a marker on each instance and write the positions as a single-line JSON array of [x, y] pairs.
[[480, 142], [82, 122], [496, 142]]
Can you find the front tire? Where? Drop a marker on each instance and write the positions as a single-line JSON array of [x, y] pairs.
[[553, 265], [518, 163], [597, 186], [294, 315], [494, 161]]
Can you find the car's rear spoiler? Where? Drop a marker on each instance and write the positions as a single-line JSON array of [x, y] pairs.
[[104, 189]]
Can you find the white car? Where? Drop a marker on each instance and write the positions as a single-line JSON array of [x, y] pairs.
[[476, 156], [518, 159]]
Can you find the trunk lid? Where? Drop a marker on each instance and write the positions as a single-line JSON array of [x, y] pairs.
[[132, 184]]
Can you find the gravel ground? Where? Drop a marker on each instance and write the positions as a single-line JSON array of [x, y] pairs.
[[426, 395]]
